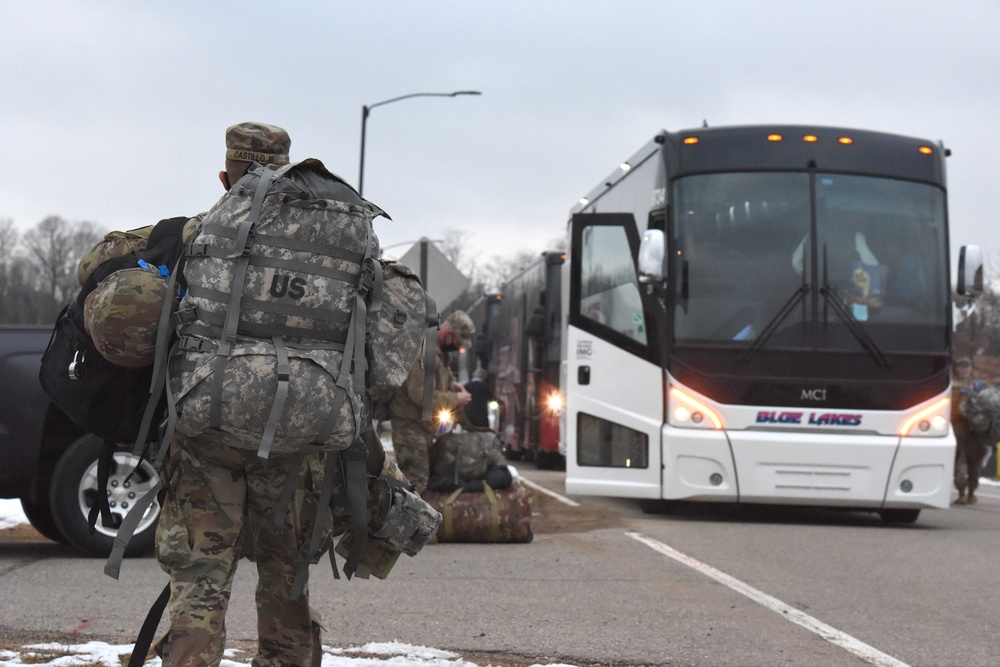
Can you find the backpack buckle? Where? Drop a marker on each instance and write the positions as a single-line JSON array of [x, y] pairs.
[[190, 343], [368, 282], [185, 315], [251, 238]]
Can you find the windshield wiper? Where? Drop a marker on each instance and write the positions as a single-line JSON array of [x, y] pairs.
[[832, 298], [776, 321]]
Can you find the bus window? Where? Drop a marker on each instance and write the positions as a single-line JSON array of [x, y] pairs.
[[609, 289], [609, 445]]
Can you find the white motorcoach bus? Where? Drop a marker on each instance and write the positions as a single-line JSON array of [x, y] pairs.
[[763, 315]]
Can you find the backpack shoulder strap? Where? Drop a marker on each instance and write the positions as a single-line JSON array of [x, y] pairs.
[[430, 358], [356, 479], [145, 638], [241, 253], [127, 529]]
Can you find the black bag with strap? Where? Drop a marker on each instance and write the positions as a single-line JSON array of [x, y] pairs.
[[99, 396]]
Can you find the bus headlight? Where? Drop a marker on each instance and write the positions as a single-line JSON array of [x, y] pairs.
[[688, 411], [929, 420], [555, 402]]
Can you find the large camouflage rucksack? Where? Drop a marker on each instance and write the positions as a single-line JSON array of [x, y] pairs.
[[288, 308], [981, 409]]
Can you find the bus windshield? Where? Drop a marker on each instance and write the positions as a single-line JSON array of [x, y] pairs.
[[792, 260]]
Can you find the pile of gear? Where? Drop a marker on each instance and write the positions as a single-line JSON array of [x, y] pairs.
[[480, 497]]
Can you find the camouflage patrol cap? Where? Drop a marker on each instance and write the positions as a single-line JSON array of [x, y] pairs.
[[122, 314], [462, 325], [257, 142]]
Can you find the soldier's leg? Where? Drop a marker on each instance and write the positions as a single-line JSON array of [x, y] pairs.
[[961, 476], [411, 444], [287, 630], [197, 545], [960, 426], [975, 466]]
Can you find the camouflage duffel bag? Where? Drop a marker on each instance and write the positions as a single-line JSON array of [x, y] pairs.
[[466, 455], [490, 516]]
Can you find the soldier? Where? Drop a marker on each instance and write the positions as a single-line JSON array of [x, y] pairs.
[[478, 409], [975, 415], [219, 506], [412, 437]]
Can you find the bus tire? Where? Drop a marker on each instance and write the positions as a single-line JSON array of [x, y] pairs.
[[899, 515], [657, 506], [546, 460]]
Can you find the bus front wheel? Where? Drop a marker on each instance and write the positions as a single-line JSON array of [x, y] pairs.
[[657, 506], [899, 515]]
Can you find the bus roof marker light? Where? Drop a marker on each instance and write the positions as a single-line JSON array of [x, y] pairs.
[[810, 138], [625, 166], [923, 414], [774, 137], [926, 150], [690, 140], [847, 141], [584, 201]]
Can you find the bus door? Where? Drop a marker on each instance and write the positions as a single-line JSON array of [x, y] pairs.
[[612, 378]]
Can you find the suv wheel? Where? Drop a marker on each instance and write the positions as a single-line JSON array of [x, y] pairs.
[[74, 491]]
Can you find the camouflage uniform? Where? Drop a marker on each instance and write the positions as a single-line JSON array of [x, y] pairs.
[[219, 506], [412, 437]]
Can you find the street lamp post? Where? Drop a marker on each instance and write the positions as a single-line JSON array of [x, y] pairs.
[[365, 110]]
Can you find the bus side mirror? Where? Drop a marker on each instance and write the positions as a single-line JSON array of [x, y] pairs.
[[652, 251], [970, 271]]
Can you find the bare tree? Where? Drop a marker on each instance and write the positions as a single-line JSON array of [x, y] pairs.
[[488, 275], [455, 246], [54, 248], [8, 287], [500, 269]]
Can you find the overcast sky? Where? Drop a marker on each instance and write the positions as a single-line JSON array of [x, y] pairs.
[[114, 112]]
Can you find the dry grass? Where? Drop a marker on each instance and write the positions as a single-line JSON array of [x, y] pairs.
[[22, 533]]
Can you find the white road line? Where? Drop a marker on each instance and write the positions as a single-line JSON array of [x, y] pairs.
[[560, 498], [867, 653]]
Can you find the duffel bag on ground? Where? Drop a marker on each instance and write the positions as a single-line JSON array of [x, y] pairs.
[[490, 516]]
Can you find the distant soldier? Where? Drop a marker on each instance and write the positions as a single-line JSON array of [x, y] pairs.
[[412, 437], [478, 409], [975, 414]]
